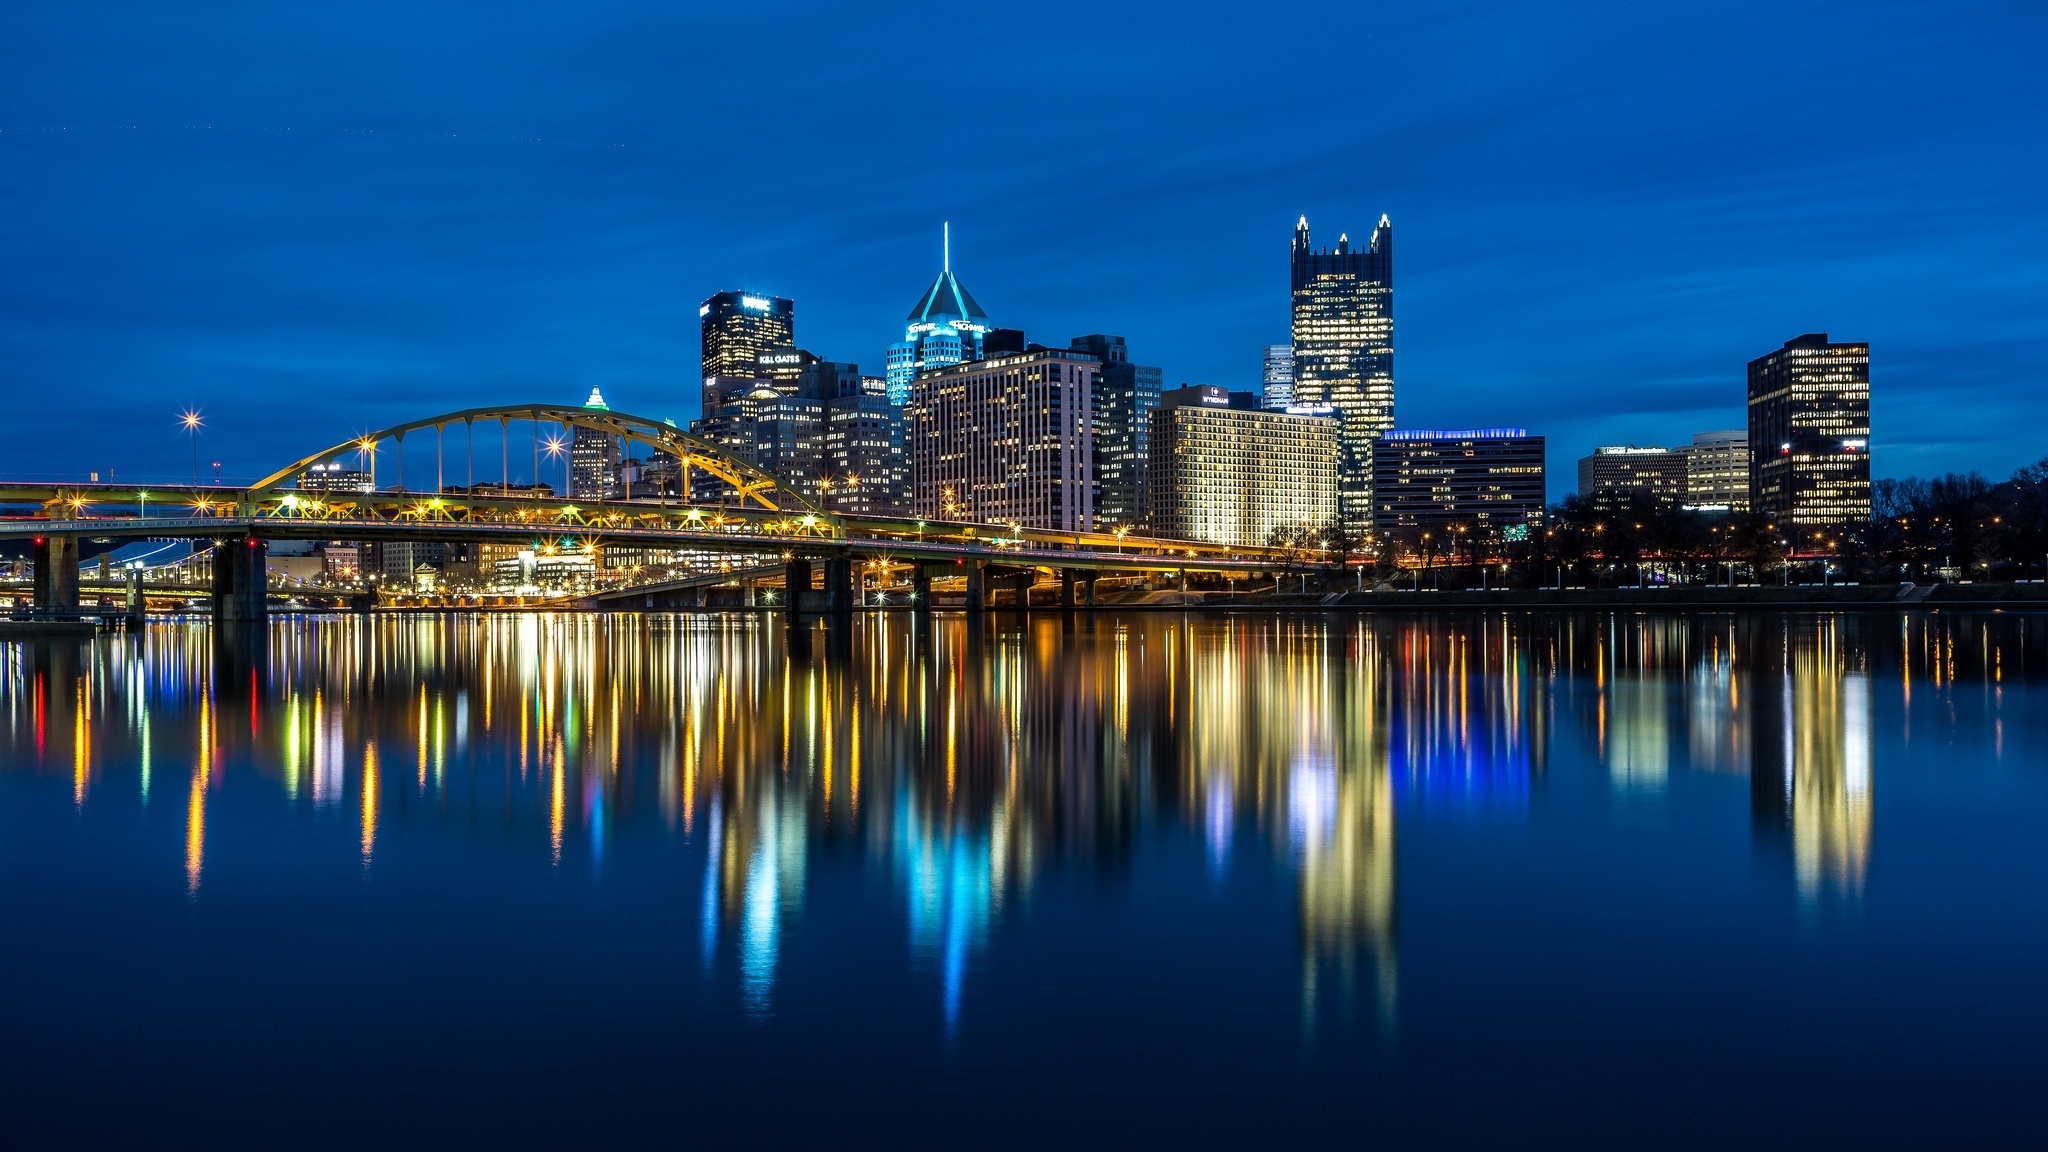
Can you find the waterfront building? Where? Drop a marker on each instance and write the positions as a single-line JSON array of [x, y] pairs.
[[1126, 395], [1652, 471], [864, 471], [1490, 480], [334, 477], [593, 458], [1343, 300], [781, 434], [1717, 471], [1227, 470], [1008, 440], [739, 326], [1278, 377], [946, 327], [1809, 432]]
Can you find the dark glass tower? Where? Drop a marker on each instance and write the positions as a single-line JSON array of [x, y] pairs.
[[1809, 433], [1344, 351], [739, 326], [1126, 395]]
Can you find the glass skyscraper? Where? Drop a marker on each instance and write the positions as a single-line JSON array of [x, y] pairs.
[[1126, 395], [739, 326], [1344, 352], [946, 327], [1809, 432], [1278, 378]]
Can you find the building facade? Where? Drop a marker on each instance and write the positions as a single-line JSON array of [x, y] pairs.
[[1809, 432], [1226, 470], [593, 458], [739, 326], [1717, 471], [1652, 471], [1277, 377], [946, 327], [1006, 440], [1343, 300], [1489, 480], [864, 467], [334, 477], [1126, 395]]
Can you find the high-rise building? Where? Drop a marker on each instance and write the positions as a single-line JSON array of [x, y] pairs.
[[864, 468], [1126, 395], [1485, 479], [1717, 470], [593, 458], [739, 327], [1278, 377], [946, 327], [1009, 440], [1652, 471], [1809, 432], [1344, 351], [1226, 470]]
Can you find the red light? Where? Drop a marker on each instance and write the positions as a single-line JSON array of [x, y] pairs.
[[40, 540]]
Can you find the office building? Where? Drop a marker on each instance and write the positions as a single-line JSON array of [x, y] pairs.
[[1126, 395], [1652, 471], [1488, 481], [1717, 471], [1226, 470], [865, 473], [1344, 351], [782, 435], [946, 327], [593, 458], [334, 477], [1809, 432], [739, 327], [1009, 440], [1278, 377]]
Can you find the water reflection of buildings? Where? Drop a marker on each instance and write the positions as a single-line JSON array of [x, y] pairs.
[[966, 762], [1810, 775]]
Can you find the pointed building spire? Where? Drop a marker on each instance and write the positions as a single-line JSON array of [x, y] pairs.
[[947, 231]]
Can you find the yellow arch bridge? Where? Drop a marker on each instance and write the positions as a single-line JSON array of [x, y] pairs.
[[712, 502]]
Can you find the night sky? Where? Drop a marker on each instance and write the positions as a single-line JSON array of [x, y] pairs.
[[310, 219]]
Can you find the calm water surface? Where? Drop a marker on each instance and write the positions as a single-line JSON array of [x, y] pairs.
[[1142, 879]]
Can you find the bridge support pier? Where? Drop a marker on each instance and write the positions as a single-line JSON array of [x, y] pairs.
[[1088, 586], [977, 586], [56, 579], [1022, 583], [239, 587], [1066, 588], [137, 606], [920, 588], [796, 581], [839, 585]]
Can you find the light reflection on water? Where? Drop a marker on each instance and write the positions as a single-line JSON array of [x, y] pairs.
[[962, 761]]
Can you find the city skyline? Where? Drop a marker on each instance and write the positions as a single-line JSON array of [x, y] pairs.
[[203, 235]]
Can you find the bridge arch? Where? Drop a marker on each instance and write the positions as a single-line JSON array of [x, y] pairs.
[[748, 483]]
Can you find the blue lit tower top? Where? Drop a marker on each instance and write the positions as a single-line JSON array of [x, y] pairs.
[[946, 327]]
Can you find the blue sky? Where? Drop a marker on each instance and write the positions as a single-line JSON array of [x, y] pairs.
[[314, 218]]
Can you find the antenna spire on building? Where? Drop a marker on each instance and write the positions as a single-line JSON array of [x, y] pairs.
[[947, 232]]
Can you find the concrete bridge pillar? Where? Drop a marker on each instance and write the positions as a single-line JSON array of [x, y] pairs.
[[747, 592], [56, 578], [920, 588], [239, 588], [138, 607], [796, 580], [977, 586], [1066, 588], [1089, 586], [1022, 583], [839, 585]]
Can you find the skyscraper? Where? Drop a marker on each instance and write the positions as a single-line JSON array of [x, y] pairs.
[[1007, 440], [1717, 470], [1344, 351], [593, 458], [946, 327], [1126, 395], [739, 327], [1809, 432], [1278, 377], [1226, 470]]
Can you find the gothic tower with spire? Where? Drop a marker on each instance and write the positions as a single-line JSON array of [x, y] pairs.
[[1344, 352]]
